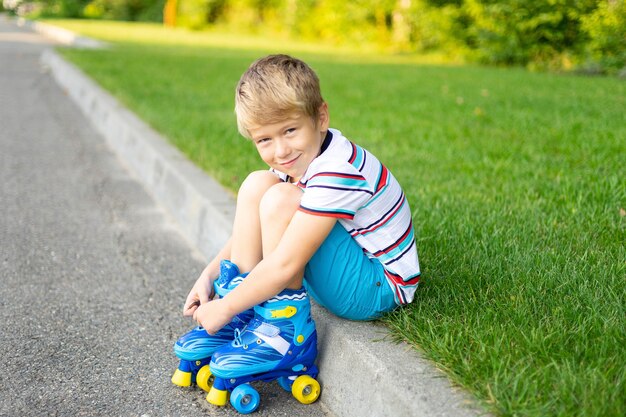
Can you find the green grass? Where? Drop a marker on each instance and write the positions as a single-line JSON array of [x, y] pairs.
[[517, 183]]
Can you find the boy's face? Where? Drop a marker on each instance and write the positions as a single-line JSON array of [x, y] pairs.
[[291, 145]]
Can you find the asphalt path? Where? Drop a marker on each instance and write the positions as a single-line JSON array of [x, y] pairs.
[[93, 273]]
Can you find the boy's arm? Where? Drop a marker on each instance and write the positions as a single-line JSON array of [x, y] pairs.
[[202, 290], [303, 237]]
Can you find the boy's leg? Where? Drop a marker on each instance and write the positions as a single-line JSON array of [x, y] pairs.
[[246, 245], [339, 276], [196, 347], [275, 344], [278, 206]]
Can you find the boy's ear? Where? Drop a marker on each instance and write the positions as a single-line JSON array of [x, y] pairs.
[[324, 119]]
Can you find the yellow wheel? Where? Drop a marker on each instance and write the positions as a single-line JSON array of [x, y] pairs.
[[204, 378], [305, 389]]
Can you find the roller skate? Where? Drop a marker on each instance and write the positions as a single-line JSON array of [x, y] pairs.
[[194, 349], [279, 343]]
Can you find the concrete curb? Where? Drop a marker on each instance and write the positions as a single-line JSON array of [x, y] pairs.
[[61, 35], [362, 372]]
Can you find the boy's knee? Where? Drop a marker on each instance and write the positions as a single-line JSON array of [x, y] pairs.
[[280, 200], [256, 184]]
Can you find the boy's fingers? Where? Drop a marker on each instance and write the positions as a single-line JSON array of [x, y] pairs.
[[204, 297], [196, 297], [190, 307]]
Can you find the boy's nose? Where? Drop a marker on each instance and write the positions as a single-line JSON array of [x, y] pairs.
[[282, 149]]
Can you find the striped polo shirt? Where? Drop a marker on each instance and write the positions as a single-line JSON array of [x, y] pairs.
[[348, 182]]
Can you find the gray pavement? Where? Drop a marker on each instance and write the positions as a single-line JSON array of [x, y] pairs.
[[113, 266], [93, 272]]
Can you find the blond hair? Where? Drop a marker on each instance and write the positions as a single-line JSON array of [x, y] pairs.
[[275, 88]]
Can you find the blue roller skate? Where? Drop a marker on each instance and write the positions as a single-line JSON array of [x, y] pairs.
[[194, 349], [279, 343]]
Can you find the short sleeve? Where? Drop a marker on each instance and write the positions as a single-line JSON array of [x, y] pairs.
[[335, 189]]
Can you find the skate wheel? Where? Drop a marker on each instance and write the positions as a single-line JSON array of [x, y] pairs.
[[285, 383], [245, 399], [204, 378], [305, 389]]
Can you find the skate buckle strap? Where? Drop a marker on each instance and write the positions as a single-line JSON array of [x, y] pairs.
[[269, 313], [271, 335], [266, 329]]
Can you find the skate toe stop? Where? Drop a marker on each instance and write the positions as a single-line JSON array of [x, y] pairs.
[[217, 397], [182, 379]]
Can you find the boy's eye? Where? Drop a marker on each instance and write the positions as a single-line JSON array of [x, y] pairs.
[[262, 140], [290, 130]]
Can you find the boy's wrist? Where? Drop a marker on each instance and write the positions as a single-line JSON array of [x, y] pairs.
[[227, 306]]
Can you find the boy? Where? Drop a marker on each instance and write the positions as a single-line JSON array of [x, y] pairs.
[[327, 215], [327, 211]]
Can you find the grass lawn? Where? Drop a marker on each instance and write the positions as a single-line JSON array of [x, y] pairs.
[[517, 183]]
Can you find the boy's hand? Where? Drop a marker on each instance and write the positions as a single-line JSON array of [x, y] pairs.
[[213, 316], [201, 293]]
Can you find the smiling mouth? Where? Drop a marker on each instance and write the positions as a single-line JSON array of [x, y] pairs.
[[289, 163]]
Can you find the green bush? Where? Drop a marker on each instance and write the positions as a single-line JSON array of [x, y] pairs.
[[151, 10], [192, 13], [518, 32], [119, 9], [538, 34], [437, 26], [338, 21], [606, 28], [196, 14], [62, 8]]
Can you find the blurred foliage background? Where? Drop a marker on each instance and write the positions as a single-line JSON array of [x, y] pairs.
[[583, 35]]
